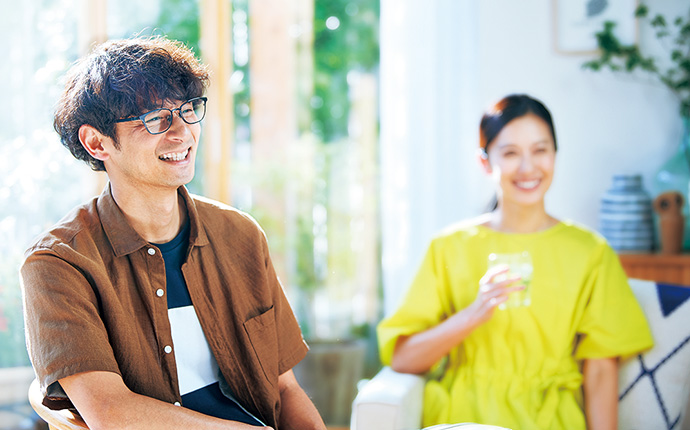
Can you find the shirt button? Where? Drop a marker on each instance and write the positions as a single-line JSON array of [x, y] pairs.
[[167, 349], [160, 292], [177, 404], [151, 251]]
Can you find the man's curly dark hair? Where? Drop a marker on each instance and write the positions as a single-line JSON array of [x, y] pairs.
[[124, 78]]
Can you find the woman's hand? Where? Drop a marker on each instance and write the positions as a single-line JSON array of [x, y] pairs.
[[418, 352], [494, 288]]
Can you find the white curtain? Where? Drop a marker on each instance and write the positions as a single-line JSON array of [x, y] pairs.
[[428, 130]]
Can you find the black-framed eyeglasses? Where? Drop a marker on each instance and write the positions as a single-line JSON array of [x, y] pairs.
[[160, 120]]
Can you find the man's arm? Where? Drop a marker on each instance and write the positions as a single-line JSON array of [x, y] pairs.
[[297, 412], [104, 402], [601, 393]]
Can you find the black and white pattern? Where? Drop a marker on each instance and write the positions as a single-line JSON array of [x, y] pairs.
[[654, 385]]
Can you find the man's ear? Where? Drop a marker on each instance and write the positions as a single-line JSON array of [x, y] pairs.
[[483, 158], [92, 140]]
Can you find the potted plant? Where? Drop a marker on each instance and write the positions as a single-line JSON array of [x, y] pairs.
[[673, 72], [674, 35]]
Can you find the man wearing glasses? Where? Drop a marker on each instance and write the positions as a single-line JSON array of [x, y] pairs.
[[148, 308]]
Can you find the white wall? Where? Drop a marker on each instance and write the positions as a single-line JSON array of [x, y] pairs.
[[443, 62]]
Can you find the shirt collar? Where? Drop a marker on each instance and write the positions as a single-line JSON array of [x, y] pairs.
[[125, 240]]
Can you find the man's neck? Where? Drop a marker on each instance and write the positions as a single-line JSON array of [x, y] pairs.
[[157, 215]]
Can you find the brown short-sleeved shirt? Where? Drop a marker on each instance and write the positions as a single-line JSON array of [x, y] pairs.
[[92, 303]]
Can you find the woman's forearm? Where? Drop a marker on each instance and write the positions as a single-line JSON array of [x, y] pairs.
[[601, 393], [419, 352]]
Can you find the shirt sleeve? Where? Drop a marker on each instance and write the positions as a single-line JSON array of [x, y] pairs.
[[64, 332], [613, 323], [420, 309]]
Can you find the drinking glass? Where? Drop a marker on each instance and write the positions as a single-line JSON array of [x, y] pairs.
[[520, 264]]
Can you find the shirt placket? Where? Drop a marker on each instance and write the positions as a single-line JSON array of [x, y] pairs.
[[157, 288]]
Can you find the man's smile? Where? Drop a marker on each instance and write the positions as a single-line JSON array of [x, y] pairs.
[[175, 156]]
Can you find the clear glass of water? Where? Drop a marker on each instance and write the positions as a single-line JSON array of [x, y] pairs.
[[520, 264]]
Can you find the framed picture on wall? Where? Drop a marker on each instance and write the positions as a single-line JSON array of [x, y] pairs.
[[577, 21]]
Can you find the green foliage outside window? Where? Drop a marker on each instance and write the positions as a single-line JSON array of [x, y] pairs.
[[345, 39]]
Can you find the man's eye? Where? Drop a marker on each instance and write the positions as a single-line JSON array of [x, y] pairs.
[[155, 119], [187, 113]]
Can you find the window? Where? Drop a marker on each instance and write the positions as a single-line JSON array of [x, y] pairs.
[[39, 180], [305, 160]]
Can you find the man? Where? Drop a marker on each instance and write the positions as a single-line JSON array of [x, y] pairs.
[[148, 308]]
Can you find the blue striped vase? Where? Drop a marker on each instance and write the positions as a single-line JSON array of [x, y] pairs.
[[625, 215]]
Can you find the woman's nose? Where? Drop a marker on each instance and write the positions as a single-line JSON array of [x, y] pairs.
[[526, 163]]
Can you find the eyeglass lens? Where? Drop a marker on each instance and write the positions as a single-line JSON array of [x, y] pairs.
[[160, 120]]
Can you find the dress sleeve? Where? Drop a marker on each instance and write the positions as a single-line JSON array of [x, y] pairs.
[[613, 323], [421, 307]]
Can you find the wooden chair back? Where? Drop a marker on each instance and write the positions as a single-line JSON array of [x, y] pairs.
[[57, 420]]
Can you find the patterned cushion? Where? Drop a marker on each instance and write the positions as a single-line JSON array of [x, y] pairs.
[[654, 386]]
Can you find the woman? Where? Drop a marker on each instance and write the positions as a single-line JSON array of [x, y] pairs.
[[549, 365]]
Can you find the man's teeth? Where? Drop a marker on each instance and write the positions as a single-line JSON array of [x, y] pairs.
[[528, 184], [175, 156]]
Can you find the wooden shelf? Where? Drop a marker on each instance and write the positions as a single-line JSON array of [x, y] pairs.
[[671, 269]]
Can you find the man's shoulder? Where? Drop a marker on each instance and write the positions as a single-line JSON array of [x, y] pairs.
[[215, 214], [78, 223]]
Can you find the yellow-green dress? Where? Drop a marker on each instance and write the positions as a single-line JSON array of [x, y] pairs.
[[520, 369]]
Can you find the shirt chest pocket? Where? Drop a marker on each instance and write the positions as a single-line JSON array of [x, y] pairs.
[[263, 337]]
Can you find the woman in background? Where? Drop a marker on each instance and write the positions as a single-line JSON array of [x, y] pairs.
[[549, 365]]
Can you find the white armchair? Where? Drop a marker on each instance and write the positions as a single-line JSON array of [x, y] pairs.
[[654, 387], [389, 401]]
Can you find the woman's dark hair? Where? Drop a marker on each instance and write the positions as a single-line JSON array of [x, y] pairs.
[[124, 78], [507, 109]]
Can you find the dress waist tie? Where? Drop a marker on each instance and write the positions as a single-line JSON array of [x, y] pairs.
[[551, 387]]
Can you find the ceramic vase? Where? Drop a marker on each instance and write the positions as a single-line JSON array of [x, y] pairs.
[[625, 215], [674, 175]]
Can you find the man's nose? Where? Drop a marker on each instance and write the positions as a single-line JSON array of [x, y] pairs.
[[178, 124]]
